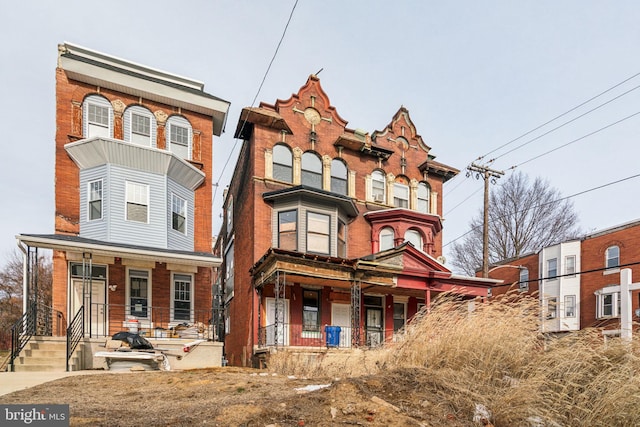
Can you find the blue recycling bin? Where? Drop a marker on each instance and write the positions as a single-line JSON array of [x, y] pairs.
[[332, 334]]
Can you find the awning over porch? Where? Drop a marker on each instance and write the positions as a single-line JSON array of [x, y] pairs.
[[76, 244]]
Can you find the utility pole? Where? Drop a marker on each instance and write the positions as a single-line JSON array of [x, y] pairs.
[[488, 175]]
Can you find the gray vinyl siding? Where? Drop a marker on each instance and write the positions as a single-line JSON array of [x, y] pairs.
[[303, 207], [99, 228], [153, 233], [175, 239]]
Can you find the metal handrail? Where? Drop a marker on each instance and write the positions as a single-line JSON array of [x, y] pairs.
[[75, 333], [39, 319]]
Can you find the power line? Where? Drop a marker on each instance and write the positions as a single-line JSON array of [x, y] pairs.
[[554, 119], [264, 78], [547, 203], [563, 125], [595, 270], [564, 114], [577, 139]]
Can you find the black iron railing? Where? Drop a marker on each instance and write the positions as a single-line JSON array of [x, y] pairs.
[[75, 333], [153, 321], [39, 320]]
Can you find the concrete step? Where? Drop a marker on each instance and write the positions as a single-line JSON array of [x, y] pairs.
[[47, 345], [44, 353], [39, 368], [42, 360]]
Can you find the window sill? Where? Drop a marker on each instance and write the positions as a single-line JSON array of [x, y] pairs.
[[613, 270]]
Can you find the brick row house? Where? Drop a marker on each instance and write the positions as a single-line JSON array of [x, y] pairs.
[[578, 281], [326, 227], [133, 195]]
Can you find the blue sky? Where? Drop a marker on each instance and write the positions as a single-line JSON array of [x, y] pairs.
[[474, 76]]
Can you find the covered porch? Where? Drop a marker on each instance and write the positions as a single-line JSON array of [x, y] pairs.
[[309, 301], [100, 288]]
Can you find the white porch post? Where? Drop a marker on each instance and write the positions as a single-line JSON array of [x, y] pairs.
[[626, 287]]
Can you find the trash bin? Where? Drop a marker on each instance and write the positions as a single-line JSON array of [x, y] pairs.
[[332, 334]]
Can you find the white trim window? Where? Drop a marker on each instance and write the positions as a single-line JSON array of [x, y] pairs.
[[552, 269], [523, 281], [607, 304], [94, 200], [310, 310], [414, 237], [342, 239], [229, 284], [311, 170], [569, 306], [230, 214], [552, 308], [137, 201], [178, 214], [182, 301], [288, 230], [139, 294], [387, 238], [338, 177], [612, 257], [422, 193], [282, 163], [378, 185], [140, 129], [570, 265], [179, 137], [318, 233], [400, 195], [97, 116]]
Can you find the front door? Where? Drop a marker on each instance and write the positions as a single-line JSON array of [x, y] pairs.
[[373, 326], [341, 316], [277, 333], [95, 318]]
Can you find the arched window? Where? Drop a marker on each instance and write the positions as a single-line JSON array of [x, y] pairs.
[[139, 126], [97, 117], [338, 177], [179, 136], [413, 237], [400, 194], [423, 192], [386, 238], [311, 170], [378, 186], [612, 257], [282, 163]]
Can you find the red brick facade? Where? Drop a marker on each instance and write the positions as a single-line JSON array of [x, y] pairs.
[[307, 123]]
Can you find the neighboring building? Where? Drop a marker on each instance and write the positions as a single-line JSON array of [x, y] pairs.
[[133, 196], [329, 226], [578, 281]]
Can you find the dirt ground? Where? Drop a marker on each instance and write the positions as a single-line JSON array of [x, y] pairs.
[[238, 397]]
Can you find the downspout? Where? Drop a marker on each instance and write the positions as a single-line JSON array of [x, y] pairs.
[[25, 281]]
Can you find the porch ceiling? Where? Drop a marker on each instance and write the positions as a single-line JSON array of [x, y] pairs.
[[69, 243]]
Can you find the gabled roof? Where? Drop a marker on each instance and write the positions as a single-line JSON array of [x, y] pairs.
[[412, 261]]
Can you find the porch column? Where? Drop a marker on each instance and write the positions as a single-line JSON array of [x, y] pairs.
[[427, 299]]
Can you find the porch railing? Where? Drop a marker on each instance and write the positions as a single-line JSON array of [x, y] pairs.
[[75, 333], [39, 320], [295, 335], [104, 320]]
